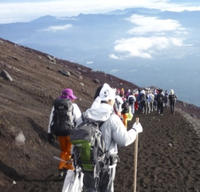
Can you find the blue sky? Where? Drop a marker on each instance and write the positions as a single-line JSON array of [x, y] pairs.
[[156, 37]]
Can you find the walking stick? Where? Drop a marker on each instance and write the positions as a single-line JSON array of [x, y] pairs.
[[136, 155], [135, 163]]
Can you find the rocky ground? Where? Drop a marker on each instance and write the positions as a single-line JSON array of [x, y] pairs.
[[169, 147]]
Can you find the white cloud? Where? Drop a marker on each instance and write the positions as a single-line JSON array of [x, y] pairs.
[[67, 18], [181, 8], [56, 28], [176, 42], [26, 11], [147, 24], [145, 47], [89, 62], [152, 36], [113, 56]]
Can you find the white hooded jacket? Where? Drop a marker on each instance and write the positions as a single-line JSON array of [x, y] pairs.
[[113, 131]]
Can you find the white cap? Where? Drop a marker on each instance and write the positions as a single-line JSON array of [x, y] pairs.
[[107, 93]]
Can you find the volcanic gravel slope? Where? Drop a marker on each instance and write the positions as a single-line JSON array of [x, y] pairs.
[[169, 148]]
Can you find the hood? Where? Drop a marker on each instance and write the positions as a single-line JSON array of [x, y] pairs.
[[171, 92], [100, 112]]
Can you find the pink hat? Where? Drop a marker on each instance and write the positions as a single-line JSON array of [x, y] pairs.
[[68, 94]]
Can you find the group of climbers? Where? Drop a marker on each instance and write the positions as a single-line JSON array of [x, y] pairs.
[[145, 101], [112, 109], [106, 110]]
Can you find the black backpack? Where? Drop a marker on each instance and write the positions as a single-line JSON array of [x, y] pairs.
[[172, 98], [160, 98], [125, 107], [131, 100], [142, 98], [63, 119]]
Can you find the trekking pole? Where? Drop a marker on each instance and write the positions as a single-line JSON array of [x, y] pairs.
[[136, 157], [59, 159], [135, 163]]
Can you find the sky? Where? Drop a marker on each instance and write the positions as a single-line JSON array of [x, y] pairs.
[[166, 33], [27, 10], [150, 34]]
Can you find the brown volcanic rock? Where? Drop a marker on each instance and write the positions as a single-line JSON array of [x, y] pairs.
[[169, 149]]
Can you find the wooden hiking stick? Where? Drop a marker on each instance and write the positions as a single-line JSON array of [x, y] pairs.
[[135, 163]]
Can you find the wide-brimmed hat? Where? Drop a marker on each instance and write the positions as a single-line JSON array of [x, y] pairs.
[[68, 94]]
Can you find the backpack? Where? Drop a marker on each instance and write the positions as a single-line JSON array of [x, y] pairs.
[[89, 152], [142, 98], [172, 98], [131, 100], [88, 144], [125, 107], [62, 117], [160, 98]]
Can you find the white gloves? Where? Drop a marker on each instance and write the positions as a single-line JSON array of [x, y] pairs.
[[137, 127]]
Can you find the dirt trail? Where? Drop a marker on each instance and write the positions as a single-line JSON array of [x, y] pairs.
[[169, 156]]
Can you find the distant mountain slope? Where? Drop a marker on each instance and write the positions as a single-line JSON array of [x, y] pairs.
[[168, 151]]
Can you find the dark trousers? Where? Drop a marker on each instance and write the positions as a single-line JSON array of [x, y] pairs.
[[160, 107], [172, 106]]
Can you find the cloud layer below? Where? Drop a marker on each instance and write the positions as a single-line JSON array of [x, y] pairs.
[[151, 35], [153, 24], [57, 28], [144, 47]]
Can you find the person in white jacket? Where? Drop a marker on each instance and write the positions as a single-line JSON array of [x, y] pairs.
[[64, 136], [114, 133]]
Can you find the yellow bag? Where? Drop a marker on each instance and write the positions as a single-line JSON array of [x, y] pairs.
[[130, 116]]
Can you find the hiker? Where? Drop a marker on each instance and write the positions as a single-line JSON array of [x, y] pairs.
[[150, 101], [65, 115], [125, 112], [155, 103], [122, 92], [172, 100], [128, 92], [160, 99], [118, 104], [136, 94], [142, 101], [166, 98], [114, 133], [132, 100]]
